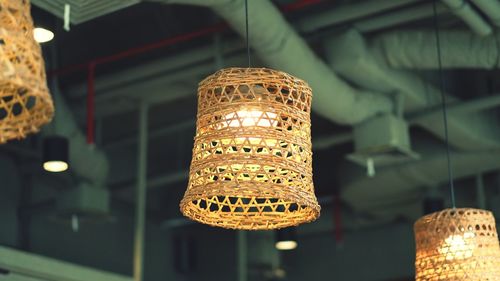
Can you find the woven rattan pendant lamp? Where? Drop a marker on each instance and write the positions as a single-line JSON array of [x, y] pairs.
[[456, 244], [25, 102], [252, 161]]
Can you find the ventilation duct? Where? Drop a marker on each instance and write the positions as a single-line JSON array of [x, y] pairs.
[[384, 139], [281, 47], [416, 49], [398, 189], [88, 163], [84, 201], [350, 56]]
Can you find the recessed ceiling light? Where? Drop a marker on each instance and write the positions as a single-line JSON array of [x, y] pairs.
[[42, 35]]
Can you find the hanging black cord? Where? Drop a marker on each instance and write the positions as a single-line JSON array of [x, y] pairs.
[[443, 100], [247, 36]]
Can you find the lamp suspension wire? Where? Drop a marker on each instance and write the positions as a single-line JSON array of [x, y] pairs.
[[246, 33], [443, 100]]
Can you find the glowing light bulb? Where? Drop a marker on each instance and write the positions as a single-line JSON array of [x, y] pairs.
[[248, 118], [42, 35], [458, 246]]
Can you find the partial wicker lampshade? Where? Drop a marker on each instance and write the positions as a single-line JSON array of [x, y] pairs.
[[458, 245], [252, 158], [25, 102]]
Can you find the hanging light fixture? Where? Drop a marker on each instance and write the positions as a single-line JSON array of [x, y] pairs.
[[25, 104], [55, 154], [455, 244], [252, 159], [286, 239]]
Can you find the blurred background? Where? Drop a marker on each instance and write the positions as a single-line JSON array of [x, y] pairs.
[[377, 130]]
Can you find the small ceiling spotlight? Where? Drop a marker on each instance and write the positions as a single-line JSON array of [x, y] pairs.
[[55, 154], [286, 239], [42, 35]]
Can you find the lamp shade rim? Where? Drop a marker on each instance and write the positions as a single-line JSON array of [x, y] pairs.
[[249, 73], [452, 212]]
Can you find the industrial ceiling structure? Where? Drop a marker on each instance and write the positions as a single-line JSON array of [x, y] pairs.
[[377, 132]]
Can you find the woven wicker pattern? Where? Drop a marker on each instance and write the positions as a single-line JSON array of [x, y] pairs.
[[252, 159], [25, 102], [457, 244]]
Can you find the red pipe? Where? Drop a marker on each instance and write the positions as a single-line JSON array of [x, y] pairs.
[[143, 49], [90, 102], [337, 219], [300, 4], [90, 66]]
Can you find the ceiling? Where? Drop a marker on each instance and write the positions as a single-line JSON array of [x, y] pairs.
[[154, 52]]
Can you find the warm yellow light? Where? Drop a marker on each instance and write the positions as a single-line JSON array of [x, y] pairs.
[[42, 35], [249, 118], [458, 246], [55, 166], [286, 245], [251, 167]]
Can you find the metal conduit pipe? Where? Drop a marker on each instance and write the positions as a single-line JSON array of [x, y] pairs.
[[416, 49], [350, 56], [491, 8], [463, 10], [278, 45]]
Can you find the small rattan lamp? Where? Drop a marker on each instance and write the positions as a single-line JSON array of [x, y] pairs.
[[252, 159], [25, 102], [457, 244]]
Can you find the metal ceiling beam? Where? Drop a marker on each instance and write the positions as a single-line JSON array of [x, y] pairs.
[[83, 10], [31, 266]]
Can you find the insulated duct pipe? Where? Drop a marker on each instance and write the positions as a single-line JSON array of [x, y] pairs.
[[396, 187], [491, 8], [87, 162], [350, 56], [281, 47], [463, 10], [416, 49]]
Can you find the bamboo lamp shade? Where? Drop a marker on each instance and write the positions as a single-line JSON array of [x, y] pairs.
[[25, 102], [252, 160], [457, 245]]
